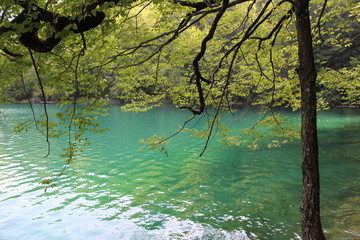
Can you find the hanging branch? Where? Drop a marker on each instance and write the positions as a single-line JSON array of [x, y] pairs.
[[198, 76], [251, 29], [75, 98], [225, 88], [261, 18], [44, 101], [74, 103], [185, 24], [157, 68], [319, 20], [178, 131], [235, 50], [30, 103]]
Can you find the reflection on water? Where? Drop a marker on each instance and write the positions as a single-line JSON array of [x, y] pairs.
[[112, 191]]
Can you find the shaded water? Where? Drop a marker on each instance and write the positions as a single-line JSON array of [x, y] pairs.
[[112, 191]]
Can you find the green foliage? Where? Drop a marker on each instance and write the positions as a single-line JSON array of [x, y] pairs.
[[22, 127], [155, 142], [166, 76], [345, 82], [271, 130], [137, 56]]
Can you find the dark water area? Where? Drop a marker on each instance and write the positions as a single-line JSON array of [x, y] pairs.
[[113, 191]]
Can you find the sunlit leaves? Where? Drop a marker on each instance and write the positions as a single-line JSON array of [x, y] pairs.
[[155, 143], [345, 81], [136, 56]]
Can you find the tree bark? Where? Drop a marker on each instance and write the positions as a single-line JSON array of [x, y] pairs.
[[310, 205]]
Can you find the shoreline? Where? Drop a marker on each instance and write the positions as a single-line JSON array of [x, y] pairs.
[[118, 102]]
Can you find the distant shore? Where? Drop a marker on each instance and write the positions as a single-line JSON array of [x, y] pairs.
[[344, 106], [115, 101]]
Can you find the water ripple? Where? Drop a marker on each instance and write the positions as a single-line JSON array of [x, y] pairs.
[[112, 191]]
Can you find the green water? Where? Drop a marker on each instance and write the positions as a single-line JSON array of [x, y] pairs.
[[112, 191]]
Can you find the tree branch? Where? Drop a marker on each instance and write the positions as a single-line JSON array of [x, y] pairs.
[[198, 76], [44, 100], [83, 22], [319, 20]]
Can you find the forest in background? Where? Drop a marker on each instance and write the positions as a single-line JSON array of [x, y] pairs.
[[121, 66]]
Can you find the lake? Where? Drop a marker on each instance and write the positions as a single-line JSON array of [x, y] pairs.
[[114, 191]]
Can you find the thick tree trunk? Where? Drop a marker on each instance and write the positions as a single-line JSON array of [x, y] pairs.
[[310, 205]]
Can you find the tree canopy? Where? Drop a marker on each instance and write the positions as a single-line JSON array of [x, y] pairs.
[[155, 47]]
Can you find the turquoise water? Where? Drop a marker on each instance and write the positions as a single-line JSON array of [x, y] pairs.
[[113, 191]]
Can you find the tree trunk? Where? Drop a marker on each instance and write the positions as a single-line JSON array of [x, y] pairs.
[[310, 205]]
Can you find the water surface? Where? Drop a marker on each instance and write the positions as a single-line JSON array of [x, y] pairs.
[[113, 191]]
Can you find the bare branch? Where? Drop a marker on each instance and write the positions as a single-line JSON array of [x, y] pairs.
[[223, 94], [277, 27], [178, 131], [30, 103], [44, 100], [183, 26], [198, 76], [319, 20]]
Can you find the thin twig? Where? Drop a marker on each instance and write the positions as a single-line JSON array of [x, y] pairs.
[[225, 88], [319, 20], [44, 101], [178, 131], [28, 98], [175, 33]]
